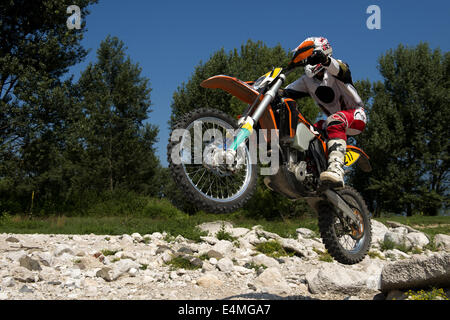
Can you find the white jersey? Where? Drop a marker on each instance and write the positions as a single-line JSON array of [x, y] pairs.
[[335, 92]]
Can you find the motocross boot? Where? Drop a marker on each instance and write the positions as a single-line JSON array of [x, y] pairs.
[[336, 157]]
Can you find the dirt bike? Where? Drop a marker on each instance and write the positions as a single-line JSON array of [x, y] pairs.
[[223, 177]]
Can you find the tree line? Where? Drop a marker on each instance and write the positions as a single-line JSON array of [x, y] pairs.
[[66, 145]]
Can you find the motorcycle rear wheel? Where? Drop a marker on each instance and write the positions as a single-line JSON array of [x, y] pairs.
[[346, 245], [210, 190]]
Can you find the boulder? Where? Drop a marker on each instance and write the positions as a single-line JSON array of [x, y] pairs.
[[62, 248], [262, 259], [224, 247], [30, 264], [398, 239], [416, 239], [337, 279], [209, 280], [122, 267], [22, 274], [272, 281], [295, 246], [305, 233], [442, 242], [105, 273], [378, 232], [137, 237], [417, 272], [214, 254], [225, 265]]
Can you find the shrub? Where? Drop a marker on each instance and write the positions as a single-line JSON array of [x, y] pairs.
[[434, 294]]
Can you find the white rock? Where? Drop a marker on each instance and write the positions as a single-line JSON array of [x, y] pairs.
[[91, 291], [206, 267], [336, 279], [157, 235], [239, 232], [15, 255], [378, 231], [225, 265], [133, 272], [77, 238], [224, 247], [400, 230], [262, 259], [209, 240], [166, 256], [22, 274], [272, 281], [121, 267], [60, 249], [128, 255], [4, 296], [304, 232], [294, 245], [8, 282], [396, 254], [242, 270], [442, 241], [252, 238], [416, 239], [244, 244], [209, 280], [213, 261], [137, 237], [395, 237]]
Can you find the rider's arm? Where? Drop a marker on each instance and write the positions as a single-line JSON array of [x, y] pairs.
[[339, 69], [296, 89]]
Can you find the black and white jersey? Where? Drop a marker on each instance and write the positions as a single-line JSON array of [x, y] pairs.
[[335, 92]]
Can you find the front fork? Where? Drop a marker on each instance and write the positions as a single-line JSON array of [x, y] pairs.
[[246, 128], [339, 203]]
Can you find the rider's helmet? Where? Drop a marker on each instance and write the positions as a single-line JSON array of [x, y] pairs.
[[307, 48]]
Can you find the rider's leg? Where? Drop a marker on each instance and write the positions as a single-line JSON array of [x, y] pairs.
[[338, 125]]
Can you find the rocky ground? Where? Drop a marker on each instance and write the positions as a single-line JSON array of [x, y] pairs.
[[55, 267]]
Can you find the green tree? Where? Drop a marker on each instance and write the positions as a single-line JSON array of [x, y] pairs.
[[117, 141], [36, 50], [407, 133]]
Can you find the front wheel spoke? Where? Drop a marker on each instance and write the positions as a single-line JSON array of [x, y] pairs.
[[213, 182]]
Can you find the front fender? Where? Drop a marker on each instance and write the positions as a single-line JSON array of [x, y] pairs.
[[233, 86]]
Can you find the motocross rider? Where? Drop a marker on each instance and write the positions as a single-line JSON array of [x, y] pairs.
[[329, 82]]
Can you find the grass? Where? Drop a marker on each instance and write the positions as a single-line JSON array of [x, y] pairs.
[[183, 225], [146, 216], [182, 263], [107, 252], [323, 256], [272, 249]]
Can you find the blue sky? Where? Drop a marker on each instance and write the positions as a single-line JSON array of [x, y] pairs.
[[169, 38]]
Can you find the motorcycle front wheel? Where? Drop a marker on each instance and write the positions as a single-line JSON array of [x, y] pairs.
[[347, 244], [212, 189]]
